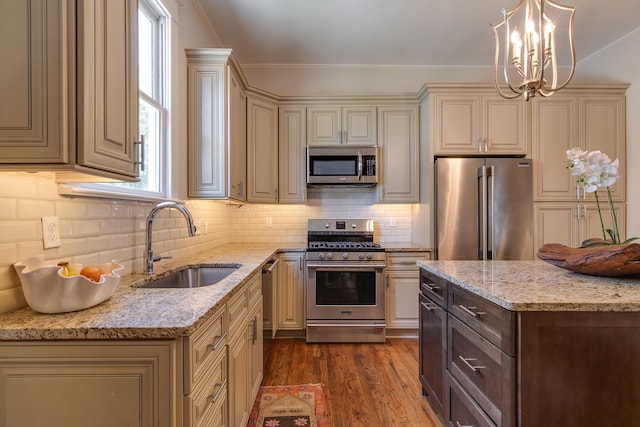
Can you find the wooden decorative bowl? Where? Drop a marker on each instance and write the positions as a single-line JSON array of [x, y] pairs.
[[605, 260]]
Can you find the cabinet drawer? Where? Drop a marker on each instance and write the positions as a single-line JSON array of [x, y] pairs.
[[203, 346], [254, 289], [238, 308], [434, 287], [488, 319], [463, 410], [208, 394], [405, 260], [484, 371]]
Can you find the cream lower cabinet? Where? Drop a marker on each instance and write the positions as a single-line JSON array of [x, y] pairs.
[[78, 384], [290, 293], [70, 95], [398, 163], [208, 379], [572, 223], [245, 351], [402, 303]]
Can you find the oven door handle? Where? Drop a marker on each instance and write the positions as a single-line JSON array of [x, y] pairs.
[[351, 325], [346, 267]]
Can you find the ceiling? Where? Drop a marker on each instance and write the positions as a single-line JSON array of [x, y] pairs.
[[427, 33]]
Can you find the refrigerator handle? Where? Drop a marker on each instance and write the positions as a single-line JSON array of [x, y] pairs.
[[490, 210], [482, 212]]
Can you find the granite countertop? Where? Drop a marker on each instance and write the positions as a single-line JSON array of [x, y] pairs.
[[405, 247], [538, 286], [134, 313]]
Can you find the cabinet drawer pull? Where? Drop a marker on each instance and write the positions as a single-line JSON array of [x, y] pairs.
[[429, 306], [220, 387], [217, 342], [468, 361], [463, 425], [469, 311], [431, 286]]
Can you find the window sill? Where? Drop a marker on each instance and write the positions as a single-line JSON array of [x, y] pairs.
[[80, 191]]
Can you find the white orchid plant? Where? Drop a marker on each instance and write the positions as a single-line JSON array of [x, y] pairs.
[[594, 170]]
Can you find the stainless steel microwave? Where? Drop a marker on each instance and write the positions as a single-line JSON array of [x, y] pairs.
[[342, 165]]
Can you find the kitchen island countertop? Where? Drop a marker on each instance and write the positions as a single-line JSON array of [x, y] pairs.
[[538, 286], [133, 313]]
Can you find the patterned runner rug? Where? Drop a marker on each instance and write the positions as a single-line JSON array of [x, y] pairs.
[[289, 406]]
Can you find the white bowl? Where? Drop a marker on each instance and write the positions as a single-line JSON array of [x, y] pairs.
[[48, 291]]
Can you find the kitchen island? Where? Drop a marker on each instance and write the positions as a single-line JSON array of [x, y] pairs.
[[524, 343]]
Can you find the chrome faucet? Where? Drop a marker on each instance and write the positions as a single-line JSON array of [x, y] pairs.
[[164, 205]]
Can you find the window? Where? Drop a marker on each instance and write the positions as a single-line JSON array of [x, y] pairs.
[[152, 87], [153, 90]]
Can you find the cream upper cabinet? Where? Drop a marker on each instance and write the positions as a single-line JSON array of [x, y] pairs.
[[70, 95], [592, 118], [475, 120], [217, 151], [262, 150], [572, 223], [338, 125], [237, 138], [292, 185], [398, 160]]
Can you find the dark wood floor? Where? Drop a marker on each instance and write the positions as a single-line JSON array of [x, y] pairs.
[[373, 385]]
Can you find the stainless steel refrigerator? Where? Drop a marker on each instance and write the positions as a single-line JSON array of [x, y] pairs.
[[484, 208]]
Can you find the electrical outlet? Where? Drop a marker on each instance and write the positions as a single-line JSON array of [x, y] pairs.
[[392, 221], [269, 222], [50, 232]]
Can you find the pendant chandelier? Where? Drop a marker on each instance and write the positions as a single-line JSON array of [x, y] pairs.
[[530, 48]]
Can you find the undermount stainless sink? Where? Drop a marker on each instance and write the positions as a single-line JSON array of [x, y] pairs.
[[193, 277]]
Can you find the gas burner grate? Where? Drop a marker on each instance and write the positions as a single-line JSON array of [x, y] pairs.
[[343, 245]]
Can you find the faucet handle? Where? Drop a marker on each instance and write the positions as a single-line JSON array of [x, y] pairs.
[[158, 258]]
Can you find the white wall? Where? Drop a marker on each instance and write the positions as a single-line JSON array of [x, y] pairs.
[[620, 63]]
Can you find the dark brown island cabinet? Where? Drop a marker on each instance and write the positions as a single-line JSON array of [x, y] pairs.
[[482, 365]]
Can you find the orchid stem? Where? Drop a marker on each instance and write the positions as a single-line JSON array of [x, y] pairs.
[[604, 234], [614, 216]]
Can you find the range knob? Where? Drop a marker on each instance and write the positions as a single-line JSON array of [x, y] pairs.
[[353, 225], [321, 255], [345, 255], [327, 225], [329, 255], [361, 256], [369, 256]]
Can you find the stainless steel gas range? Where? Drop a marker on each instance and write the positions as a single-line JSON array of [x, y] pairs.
[[345, 282]]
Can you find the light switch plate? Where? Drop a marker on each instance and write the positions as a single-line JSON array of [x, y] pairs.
[[51, 232]]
